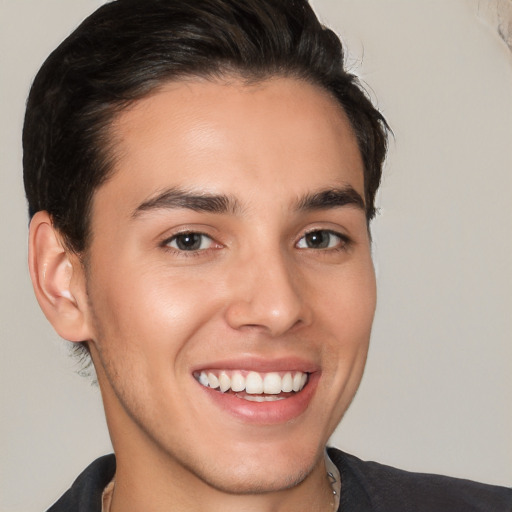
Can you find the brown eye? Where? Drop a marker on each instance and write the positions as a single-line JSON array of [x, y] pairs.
[[190, 242], [321, 239]]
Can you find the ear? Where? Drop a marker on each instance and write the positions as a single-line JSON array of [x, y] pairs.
[[58, 279]]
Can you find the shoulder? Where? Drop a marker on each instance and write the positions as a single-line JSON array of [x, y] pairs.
[[85, 493], [384, 488]]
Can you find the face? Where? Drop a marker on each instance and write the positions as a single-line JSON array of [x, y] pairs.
[[230, 284]]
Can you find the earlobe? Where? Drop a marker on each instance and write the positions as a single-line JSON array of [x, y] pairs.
[[58, 280]]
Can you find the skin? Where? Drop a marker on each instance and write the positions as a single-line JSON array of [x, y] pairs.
[[255, 290]]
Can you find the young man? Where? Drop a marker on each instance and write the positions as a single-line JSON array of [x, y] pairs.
[[201, 176]]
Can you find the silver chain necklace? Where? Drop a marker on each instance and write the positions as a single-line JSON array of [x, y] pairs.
[[334, 481]]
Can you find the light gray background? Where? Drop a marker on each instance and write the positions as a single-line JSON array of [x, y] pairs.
[[437, 392]]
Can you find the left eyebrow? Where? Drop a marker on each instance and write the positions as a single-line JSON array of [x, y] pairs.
[[175, 198], [331, 198]]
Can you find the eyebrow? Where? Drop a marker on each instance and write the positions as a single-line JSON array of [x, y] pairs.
[[200, 202], [331, 198]]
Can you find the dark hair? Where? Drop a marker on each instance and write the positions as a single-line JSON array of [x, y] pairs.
[[128, 48]]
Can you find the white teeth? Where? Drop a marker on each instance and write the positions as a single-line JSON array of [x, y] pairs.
[[271, 384], [224, 381], [297, 379], [213, 381], [254, 384], [203, 379], [237, 382], [287, 383]]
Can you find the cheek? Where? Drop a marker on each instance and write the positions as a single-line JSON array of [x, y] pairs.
[[346, 310], [346, 302], [152, 312], [144, 330]]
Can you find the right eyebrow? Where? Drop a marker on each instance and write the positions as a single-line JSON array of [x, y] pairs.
[[331, 198], [200, 202]]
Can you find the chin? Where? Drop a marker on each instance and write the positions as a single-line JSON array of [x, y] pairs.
[[245, 479], [254, 474]]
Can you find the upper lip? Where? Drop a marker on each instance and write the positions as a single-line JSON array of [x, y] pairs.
[[259, 364]]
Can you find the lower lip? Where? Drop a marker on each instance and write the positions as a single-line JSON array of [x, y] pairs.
[[265, 413]]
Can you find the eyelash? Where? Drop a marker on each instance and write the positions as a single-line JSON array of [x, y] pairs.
[[343, 243]]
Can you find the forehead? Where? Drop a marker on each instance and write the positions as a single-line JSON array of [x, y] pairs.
[[229, 137]]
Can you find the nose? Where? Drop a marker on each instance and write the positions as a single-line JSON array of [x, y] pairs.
[[268, 295]]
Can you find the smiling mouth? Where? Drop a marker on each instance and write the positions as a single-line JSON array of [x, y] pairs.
[[254, 386]]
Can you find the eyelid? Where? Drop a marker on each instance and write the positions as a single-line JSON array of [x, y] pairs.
[[187, 228]]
